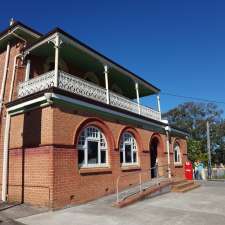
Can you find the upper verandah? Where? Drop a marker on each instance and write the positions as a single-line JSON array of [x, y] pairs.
[[75, 52]]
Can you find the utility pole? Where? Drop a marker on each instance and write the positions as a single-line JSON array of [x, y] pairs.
[[209, 152]]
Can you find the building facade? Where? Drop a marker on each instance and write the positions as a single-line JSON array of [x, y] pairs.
[[72, 122]]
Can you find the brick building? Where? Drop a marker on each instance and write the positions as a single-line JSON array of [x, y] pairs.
[[72, 122]]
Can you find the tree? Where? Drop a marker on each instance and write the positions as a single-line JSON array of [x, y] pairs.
[[192, 117]]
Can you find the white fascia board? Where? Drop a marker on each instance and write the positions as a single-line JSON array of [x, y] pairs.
[[21, 28], [27, 103], [103, 109]]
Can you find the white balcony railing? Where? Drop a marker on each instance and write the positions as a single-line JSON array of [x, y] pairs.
[[84, 88]]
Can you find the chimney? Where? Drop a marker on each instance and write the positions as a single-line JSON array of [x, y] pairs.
[[11, 22]]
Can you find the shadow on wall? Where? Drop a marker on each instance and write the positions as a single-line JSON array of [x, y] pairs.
[[32, 128], [31, 138]]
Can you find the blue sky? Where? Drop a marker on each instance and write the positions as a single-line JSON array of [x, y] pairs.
[[179, 46]]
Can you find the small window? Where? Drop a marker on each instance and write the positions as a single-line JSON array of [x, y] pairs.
[[177, 154], [128, 149], [92, 148]]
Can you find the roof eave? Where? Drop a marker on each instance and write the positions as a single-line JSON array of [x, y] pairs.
[[93, 52]]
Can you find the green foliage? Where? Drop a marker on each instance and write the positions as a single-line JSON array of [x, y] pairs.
[[195, 151], [193, 117]]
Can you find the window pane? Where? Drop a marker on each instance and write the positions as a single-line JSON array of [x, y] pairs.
[[128, 153], [92, 152], [103, 157], [134, 157], [121, 157], [80, 156]]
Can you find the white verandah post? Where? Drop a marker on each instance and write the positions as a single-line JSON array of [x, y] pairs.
[[56, 60], [27, 75], [138, 97], [168, 129], [158, 103], [106, 83]]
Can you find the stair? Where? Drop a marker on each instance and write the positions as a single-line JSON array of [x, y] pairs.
[[183, 186]]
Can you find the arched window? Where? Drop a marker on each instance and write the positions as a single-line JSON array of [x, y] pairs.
[[177, 154], [128, 149], [92, 148]]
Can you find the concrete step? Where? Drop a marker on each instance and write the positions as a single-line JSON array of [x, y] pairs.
[[183, 184], [179, 181], [187, 188]]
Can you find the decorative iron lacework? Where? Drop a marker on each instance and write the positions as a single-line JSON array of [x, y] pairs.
[[150, 113], [123, 103], [36, 84], [84, 88], [81, 87]]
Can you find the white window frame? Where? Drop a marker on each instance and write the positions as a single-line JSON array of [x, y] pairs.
[[82, 145], [134, 148], [177, 152]]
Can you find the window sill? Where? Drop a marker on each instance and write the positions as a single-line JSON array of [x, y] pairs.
[[94, 170], [130, 167], [178, 165]]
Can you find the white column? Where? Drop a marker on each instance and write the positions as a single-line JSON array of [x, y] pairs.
[[106, 83], [56, 60], [158, 103], [167, 128], [138, 97], [5, 158], [27, 75]]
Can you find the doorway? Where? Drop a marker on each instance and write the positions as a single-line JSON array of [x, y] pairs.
[[153, 156]]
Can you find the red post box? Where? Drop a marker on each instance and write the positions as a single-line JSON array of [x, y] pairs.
[[188, 170]]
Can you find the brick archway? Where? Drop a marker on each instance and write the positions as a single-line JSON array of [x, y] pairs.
[[99, 124], [136, 135], [156, 147]]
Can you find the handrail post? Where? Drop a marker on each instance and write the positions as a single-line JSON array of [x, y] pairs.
[[140, 182], [117, 189]]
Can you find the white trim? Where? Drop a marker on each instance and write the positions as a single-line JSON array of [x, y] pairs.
[[5, 158], [106, 83], [177, 163], [138, 98], [22, 28], [95, 135], [27, 103], [134, 148], [27, 74]]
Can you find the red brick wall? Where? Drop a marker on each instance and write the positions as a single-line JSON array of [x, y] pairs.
[[51, 173], [30, 175]]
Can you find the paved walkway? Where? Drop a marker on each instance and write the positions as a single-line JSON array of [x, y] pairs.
[[202, 206]]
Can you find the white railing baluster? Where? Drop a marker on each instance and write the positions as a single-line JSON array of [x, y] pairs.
[[84, 88]]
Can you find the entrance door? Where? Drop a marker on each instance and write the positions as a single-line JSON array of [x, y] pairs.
[[153, 155]]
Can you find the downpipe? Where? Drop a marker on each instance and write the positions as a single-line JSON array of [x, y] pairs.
[[6, 137]]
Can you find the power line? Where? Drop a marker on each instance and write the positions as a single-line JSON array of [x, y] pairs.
[[193, 98]]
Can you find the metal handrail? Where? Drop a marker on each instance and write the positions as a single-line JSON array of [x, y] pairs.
[[141, 181]]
